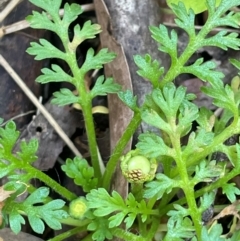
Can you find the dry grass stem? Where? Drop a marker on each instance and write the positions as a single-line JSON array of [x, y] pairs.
[[8, 9], [24, 24], [41, 108]]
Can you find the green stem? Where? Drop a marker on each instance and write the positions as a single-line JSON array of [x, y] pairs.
[[187, 186], [194, 158], [75, 222], [86, 103], [120, 233], [218, 184], [91, 135], [87, 238], [68, 233], [194, 44], [153, 229], [50, 182], [118, 150]]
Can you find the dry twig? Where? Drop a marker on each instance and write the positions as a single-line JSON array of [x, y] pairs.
[[24, 24], [41, 108]]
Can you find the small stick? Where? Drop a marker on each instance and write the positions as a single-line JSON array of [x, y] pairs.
[[23, 24], [8, 9], [18, 116], [41, 108]]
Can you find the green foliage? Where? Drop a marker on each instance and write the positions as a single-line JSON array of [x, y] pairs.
[[167, 44], [153, 146], [128, 99], [50, 213], [205, 172], [100, 229], [195, 5], [64, 97], [231, 191], [157, 188], [184, 155], [102, 87], [96, 61], [57, 74], [8, 138], [83, 174], [28, 151], [180, 229], [214, 233], [149, 69], [127, 211]]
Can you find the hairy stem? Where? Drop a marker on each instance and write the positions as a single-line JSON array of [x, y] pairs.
[[118, 150], [213, 186], [50, 182], [68, 233], [187, 186], [120, 233], [234, 128]]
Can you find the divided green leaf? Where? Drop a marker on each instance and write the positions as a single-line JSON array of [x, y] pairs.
[[45, 50], [207, 200], [128, 99], [222, 96], [153, 146], [180, 229], [88, 31], [205, 172], [96, 61], [152, 118], [223, 41], [169, 99], [50, 6], [167, 44], [149, 69], [214, 234], [178, 213], [101, 229], [8, 138], [196, 5], [104, 204], [186, 19], [81, 172], [28, 151], [204, 71], [231, 191], [71, 12], [51, 213], [103, 87], [65, 97], [157, 188], [57, 74], [41, 21]]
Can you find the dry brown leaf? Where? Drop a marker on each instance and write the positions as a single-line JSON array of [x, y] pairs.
[[119, 114], [232, 209], [4, 194]]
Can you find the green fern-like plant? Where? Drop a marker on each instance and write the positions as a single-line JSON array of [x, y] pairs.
[[161, 167]]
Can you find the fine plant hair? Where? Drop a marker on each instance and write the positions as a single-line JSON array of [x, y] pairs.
[[150, 211]]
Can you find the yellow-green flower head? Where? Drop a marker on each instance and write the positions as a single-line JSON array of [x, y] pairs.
[[137, 168], [78, 207]]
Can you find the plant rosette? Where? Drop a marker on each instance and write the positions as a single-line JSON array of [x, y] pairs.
[[137, 168]]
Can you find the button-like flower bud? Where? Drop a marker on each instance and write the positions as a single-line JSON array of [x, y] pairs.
[[137, 168], [78, 207]]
